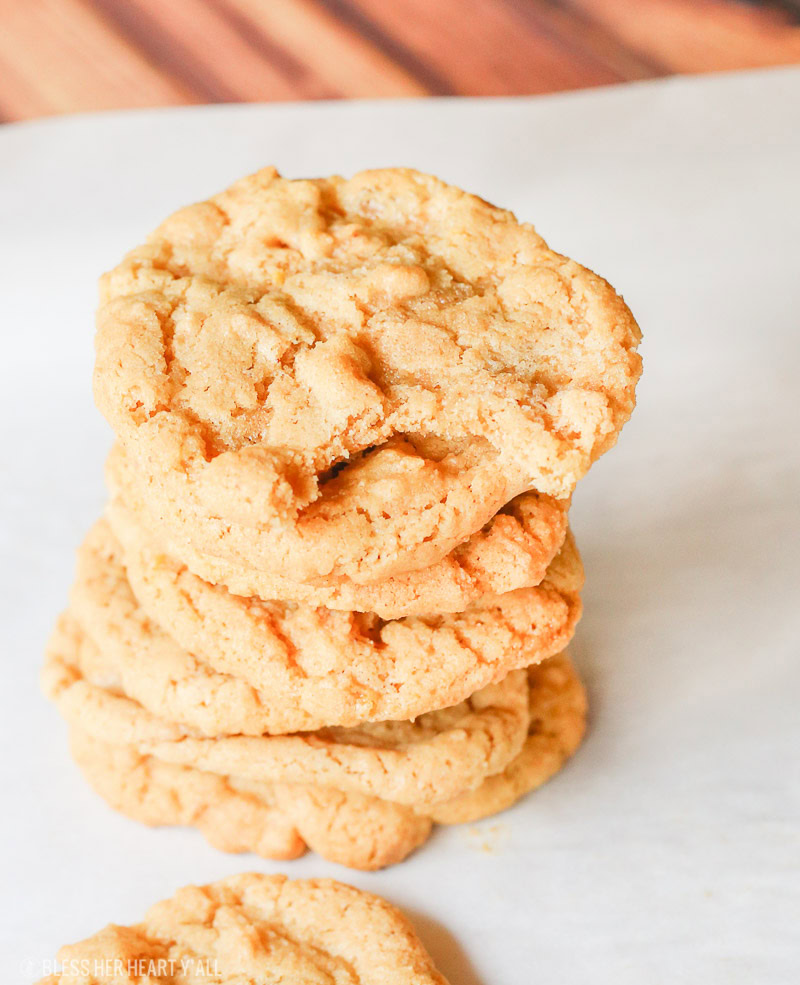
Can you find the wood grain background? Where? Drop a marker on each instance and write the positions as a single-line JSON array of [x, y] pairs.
[[59, 56]]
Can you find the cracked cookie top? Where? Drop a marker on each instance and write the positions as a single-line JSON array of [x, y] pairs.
[[254, 928], [350, 377]]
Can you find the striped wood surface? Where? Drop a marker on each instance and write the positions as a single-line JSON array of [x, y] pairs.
[[59, 56]]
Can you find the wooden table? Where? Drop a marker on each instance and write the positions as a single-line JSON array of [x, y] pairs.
[[60, 56]]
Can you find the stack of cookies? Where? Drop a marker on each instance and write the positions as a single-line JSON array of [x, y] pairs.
[[329, 600]]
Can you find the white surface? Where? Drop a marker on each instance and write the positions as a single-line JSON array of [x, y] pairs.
[[668, 850]]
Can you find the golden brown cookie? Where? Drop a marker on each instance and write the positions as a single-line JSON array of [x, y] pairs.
[[278, 820], [259, 667], [511, 551], [273, 820], [254, 929], [557, 725], [330, 378], [427, 760]]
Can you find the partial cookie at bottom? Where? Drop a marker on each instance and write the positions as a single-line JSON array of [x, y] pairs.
[[252, 929]]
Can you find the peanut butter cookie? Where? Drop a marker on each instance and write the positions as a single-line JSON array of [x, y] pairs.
[[330, 378], [258, 667], [279, 820], [428, 760], [252, 929], [511, 551]]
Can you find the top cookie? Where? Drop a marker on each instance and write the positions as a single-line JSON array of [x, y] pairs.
[[348, 378], [255, 928]]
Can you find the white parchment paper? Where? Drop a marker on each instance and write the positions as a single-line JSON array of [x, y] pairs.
[[668, 850]]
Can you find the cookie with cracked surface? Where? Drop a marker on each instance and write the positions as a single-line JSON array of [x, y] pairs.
[[435, 757], [279, 820], [348, 378], [254, 928], [511, 551], [274, 667], [558, 709], [274, 820]]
